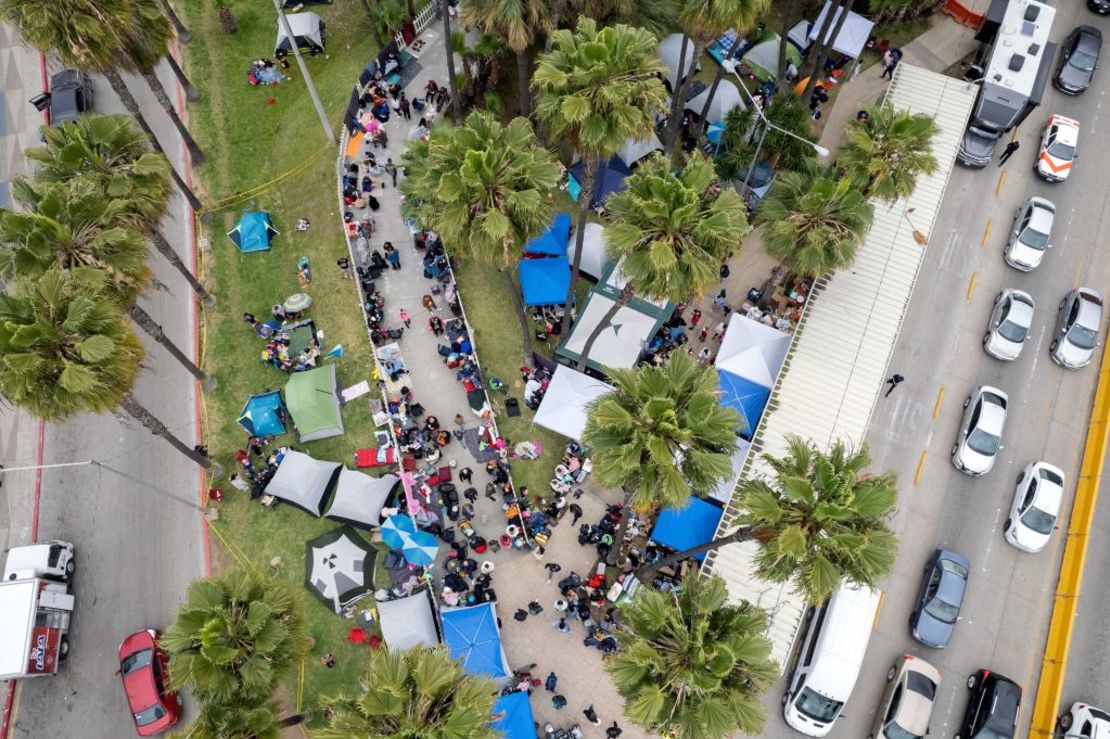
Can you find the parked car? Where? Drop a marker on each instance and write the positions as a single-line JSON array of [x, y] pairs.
[[940, 598], [978, 145], [71, 94], [1037, 497], [1078, 60], [1008, 327], [1058, 143], [1077, 324], [1031, 234], [992, 709], [1086, 721], [907, 703], [1102, 7], [143, 666], [980, 434]]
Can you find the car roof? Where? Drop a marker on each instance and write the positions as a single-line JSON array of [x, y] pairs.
[[1090, 308], [1087, 33], [1021, 309], [1067, 129], [139, 685], [1005, 696], [1041, 217]]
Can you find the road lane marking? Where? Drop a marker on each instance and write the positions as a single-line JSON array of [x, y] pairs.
[[882, 598], [987, 232], [1078, 274], [971, 284], [936, 405], [920, 466], [1001, 179]]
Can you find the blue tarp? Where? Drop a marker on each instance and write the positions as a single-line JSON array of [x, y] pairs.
[[260, 414], [685, 528], [610, 179], [553, 241], [517, 722], [253, 231], [544, 281], [745, 396], [471, 635]]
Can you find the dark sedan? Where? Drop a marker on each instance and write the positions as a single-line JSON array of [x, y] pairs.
[[1102, 7], [1078, 60], [993, 708], [938, 603]]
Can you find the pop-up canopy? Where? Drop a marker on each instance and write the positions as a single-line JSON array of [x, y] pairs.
[[408, 622], [852, 39], [594, 259], [563, 409], [514, 716], [471, 635], [553, 241], [359, 498], [544, 281], [684, 528]]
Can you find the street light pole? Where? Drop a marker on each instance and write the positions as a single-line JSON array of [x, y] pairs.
[[304, 73]]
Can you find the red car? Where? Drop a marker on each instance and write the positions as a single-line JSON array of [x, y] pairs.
[[143, 666]]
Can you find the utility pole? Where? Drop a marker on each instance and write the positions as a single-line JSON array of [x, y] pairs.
[[304, 73]]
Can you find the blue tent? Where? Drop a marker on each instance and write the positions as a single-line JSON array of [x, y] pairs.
[[747, 397], [471, 635], [544, 281], [517, 722], [610, 179], [685, 528], [260, 415], [253, 231], [553, 241]]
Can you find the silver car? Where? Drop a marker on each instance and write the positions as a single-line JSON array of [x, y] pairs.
[[1037, 498], [1008, 328], [980, 436], [907, 702], [1076, 336], [1031, 234]]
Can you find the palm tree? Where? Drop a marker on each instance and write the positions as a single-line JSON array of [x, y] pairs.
[[692, 665], [820, 521], [597, 88], [661, 436], [485, 188], [242, 721], [183, 33], [813, 222], [235, 637], [670, 233], [754, 9], [418, 692], [516, 21], [885, 155], [453, 84]]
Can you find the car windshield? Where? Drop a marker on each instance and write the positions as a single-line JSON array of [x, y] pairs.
[[1059, 150], [1082, 337], [921, 685], [1012, 331], [1052, 476], [818, 707], [136, 661], [148, 716], [942, 611], [1034, 239], [1038, 520], [982, 442], [1082, 60], [894, 731]]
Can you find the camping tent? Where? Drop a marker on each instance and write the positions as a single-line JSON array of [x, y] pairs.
[[253, 232], [314, 403], [852, 39], [563, 409], [752, 350], [727, 98], [514, 716], [610, 179], [763, 58], [633, 150], [544, 281], [262, 414], [670, 50], [339, 567], [471, 634], [553, 241], [408, 622], [723, 492], [303, 481], [746, 397], [594, 259], [359, 498], [684, 528], [308, 32]]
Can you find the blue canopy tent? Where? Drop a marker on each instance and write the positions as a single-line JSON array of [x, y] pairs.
[[253, 231], [747, 397], [262, 414], [471, 635], [553, 241], [544, 281], [610, 179], [515, 716], [684, 528]]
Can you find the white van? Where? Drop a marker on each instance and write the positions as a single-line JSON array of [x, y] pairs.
[[828, 663]]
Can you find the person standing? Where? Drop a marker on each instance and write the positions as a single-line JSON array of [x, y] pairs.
[[894, 381], [552, 568], [250, 320], [591, 716], [614, 731], [466, 474], [405, 318], [888, 65], [703, 355], [1009, 151], [576, 511], [391, 170], [344, 265], [406, 107], [550, 683]]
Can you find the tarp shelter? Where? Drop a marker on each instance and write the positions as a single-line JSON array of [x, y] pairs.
[[314, 403], [852, 39], [610, 179], [359, 498], [408, 622], [594, 259], [553, 241], [633, 150], [544, 281], [339, 567], [303, 481], [302, 335], [726, 98], [471, 635], [253, 232], [670, 51], [747, 397], [308, 33], [684, 528], [763, 58], [261, 415], [752, 350], [514, 716], [563, 409]]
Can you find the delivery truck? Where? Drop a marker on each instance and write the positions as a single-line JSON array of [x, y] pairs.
[[35, 609]]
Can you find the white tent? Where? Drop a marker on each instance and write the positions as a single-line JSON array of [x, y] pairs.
[[359, 498], [408, 622], [853, 35], [752, 350], [620, 343], [308, 32], [670, 50], [563, 409], [634, 150], [617, 280], [723, 492], [594, 258], [303, 481], [726, 98]]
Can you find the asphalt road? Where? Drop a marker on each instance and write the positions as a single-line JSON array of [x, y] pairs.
[[1006, 612], [137, 550]]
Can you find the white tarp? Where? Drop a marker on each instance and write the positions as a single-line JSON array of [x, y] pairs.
[[752, 350], [634, 150], [408, 622], [620, 343], [726, 98], [359, 498], [853, 34], [563, 409], [594, 258], [723, 492], [670, 50], [302, 481]]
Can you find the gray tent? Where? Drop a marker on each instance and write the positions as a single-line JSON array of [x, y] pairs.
[[359, 498], [634, 150], [339, 567], [308, 32], [303, 481], [408, 622], [670, 50], [594, 258], [726, 98]]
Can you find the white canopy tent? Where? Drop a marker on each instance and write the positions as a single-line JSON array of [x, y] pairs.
[[620, 343], [670, 50], [852, 39], [594, 258], [726, 98], [408, 622], [303, 481], [563, 409], [359, 498], [634, 150], [752, 350], [723, 492]]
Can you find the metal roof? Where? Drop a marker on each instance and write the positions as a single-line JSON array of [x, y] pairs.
[[1020, 46], [838, 360]]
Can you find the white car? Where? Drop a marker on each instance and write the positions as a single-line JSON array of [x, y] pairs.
[[1057, 154], [1031, 234], [1084, 720], [1077, 324], [1037, 497], [1008, 328], [980, 436]]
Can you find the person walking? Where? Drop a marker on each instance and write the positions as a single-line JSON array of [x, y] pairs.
[[591, 715], [428, 302], [550, 683], [392, 256], [559, 702], [466, 474], [888, 64], [405, 318], [344, 265], [614, 731], [406, 107], [491, 491], [894, 381], [391, 170], [552, 568], [576, 511], [471, 494], [1009, 151], [703, 355]]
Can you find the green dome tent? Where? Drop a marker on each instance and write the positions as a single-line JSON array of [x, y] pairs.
[[313, 402]]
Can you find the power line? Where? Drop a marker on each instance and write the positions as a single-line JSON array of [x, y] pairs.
[[101, 465]]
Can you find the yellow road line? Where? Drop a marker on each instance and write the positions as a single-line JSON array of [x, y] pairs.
[[1001, 179], [971, 284], [1078, 273], [882, 597], [920, 467], [936, 405], [987, 232]]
